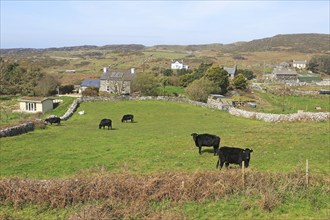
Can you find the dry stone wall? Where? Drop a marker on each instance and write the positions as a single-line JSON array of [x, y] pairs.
[[17, 130], [302, 116]]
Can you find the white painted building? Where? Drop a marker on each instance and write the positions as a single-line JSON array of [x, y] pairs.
[[299, 64], [35, 104], [178, 66]]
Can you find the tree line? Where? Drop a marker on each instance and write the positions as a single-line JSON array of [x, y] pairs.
[[31, 80], [198, 83]]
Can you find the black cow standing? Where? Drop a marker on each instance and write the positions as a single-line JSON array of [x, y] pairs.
[[233, 155], [105, 122], [127, 117], [53, 120], [208, 140]]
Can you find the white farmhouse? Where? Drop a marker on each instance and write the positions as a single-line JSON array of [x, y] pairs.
[[178, 66], [299, 64]]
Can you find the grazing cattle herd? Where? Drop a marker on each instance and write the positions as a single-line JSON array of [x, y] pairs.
[[226, 155]]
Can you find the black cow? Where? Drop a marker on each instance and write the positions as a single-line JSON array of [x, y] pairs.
[[233, 155], [127, 117], [208, 140], [105, 122], [53, 120]]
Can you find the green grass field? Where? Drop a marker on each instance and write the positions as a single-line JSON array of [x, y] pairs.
[[159, 141]]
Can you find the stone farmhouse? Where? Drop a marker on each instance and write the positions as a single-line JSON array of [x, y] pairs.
[[178, 66], [285, 74], [116, 81]]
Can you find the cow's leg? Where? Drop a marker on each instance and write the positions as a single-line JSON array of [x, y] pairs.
[[200, 150], [227, 165], [218, 162], [215, 150], [221, 164]]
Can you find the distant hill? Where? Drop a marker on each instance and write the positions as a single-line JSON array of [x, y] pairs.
[[305, 43]]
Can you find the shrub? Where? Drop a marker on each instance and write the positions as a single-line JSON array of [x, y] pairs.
[[240, 82], [90, 91], [200, 89], [146, 84]]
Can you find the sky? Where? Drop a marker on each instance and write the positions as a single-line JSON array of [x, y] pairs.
[[45, 24]]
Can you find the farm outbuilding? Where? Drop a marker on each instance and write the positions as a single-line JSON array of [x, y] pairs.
[[35, 104]]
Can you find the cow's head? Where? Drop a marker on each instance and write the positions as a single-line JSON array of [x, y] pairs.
[[247, 156], [194, 136]]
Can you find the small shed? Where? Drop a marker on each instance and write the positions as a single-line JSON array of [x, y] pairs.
[[35, 104]]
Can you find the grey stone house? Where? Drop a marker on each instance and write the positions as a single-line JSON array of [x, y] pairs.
[[285, 75], [117, 81]]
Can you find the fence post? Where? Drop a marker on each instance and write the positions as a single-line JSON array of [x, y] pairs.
[[243, 173], [307, 172]]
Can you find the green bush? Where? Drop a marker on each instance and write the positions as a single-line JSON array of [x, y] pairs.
[[200, 89]]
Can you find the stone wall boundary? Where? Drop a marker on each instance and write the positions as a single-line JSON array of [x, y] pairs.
[[17, 130], [266, 117]]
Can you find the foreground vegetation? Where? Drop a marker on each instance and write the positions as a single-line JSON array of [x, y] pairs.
[[153, 157]]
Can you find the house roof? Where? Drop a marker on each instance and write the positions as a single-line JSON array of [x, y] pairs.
[[90, 83], [230, 70], [33, 99], [299, 62], [122, 75]]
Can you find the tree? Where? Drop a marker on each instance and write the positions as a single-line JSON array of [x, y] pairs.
[[15, 79], [248, 74], [220, 77], [146, 84], [200, 89], [166, 72], [47, 85], [240, 82], [319, 64]]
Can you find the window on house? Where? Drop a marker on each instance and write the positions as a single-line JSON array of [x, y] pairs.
[[31, 106], [108, 88]]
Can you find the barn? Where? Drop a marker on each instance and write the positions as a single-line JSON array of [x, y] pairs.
[[35, 104]]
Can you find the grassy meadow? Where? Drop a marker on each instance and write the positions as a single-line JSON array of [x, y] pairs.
[[158, 142]]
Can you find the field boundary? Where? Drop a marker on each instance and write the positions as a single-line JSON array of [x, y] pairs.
[[266, 117]]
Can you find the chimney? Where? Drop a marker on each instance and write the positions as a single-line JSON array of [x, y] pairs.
[[132, 70]]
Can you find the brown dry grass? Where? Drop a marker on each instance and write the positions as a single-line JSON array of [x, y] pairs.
[[120, 195]]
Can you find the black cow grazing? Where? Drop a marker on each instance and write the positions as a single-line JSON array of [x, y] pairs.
[[208, 140], [233, 155], [105, 122], [127, 117], [53, 120]]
